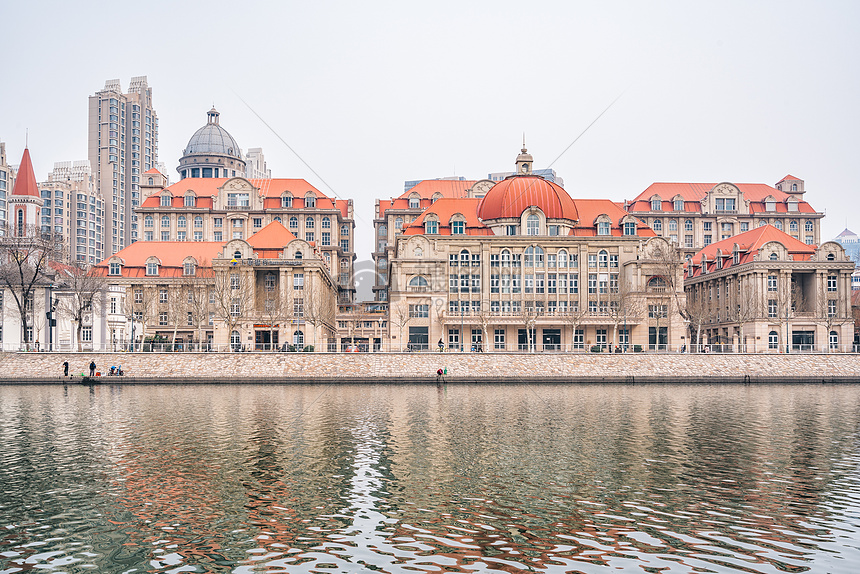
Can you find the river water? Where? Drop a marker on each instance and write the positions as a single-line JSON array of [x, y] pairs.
[[480, 478]]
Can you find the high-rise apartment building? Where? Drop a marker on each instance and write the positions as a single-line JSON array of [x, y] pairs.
[[123, 144], [7, 179], [74, 210]]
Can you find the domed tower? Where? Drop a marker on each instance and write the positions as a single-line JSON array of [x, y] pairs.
[[211, 152]]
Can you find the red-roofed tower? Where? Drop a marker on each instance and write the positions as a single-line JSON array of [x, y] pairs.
[[25, 202]]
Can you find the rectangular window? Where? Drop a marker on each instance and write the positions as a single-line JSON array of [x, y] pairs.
[[551, 283], [494, 283], [831, 307], [298, 307], [298, 281], [218, 222], [771, 308], [162, 319], [499, 339], [419, 311], [516, 283], [453, 283], [706, 226], [831, 283], [771, 282], [657, 311], [592, 282], [258, 222], [326, 238], [539, 283], [162, 296], [707, 239], [528, 285], [218, 236]]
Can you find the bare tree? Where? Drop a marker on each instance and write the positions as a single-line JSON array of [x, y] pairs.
[[319, 306], [529, 317], [624, 303], [401, 318], [698, 311], [194, 291], [82, 288], [744, 306], [139, 306], [25, 255], [831, 311], [573, 316], [234, 295], [274, 309]]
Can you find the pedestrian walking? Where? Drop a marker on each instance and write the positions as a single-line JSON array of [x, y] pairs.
[[65, 368], [92, 368]]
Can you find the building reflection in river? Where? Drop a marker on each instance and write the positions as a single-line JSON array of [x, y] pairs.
[[403, 478]]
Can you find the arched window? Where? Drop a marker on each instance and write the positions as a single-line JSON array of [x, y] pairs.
[[309, 222], [562, 258], [834, 340], [383, 230], [165, 221], [326, 223], [277, 218], [532, 224], [534, 256], [657, 284], [773, 340], [673, 225], [762, 223], [235, 341], [808, 226], [151, 181], [286, 200], [237, 255], [436, 196], [180, 221], [310, 199], [793, 187], [688, 225], [418, 281], [792, 226], [778, 224], [464, 257], [831, 257], [198, 222], [505, 258], [657, 225], [603, 258], [773, 257], [398, 224], [298, 255], [148, 221], [298, 339], [294, 222]]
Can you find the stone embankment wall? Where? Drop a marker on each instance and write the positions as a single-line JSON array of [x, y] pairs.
[[422, 367]]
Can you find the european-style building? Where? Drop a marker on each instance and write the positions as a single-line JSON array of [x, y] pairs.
[[269, 291], [527, 267], [765, 290], [695, 215]]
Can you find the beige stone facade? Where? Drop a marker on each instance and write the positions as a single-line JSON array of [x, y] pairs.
[[764, 291]]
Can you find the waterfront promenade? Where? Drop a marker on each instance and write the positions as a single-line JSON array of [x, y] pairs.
[[423, 367]]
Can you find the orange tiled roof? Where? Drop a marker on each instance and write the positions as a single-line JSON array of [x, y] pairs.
[[590, 209], [446, 208], [513, 195], [171, 256], [693, 193], [427, 188], [25, 181], [749, 243], [273, 236]]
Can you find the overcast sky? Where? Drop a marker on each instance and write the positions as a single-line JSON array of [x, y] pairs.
[[370, 94]]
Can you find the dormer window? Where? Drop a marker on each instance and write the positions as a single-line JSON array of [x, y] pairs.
[[458, 227], [792, 206], [286, 200], [679, 205], [115, 268], [770, 204], [532, 224], [603, 228], [189, 268], [414, 201], [310, 200], [431, 227], [165, 200], [656, 204], [190, 201], [629, 228], [152, 268]]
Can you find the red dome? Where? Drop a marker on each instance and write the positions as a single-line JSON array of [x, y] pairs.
[[512, 196]]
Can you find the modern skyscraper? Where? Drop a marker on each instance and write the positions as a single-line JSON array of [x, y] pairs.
[[7, 179], [74, 210], [123, 144]]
